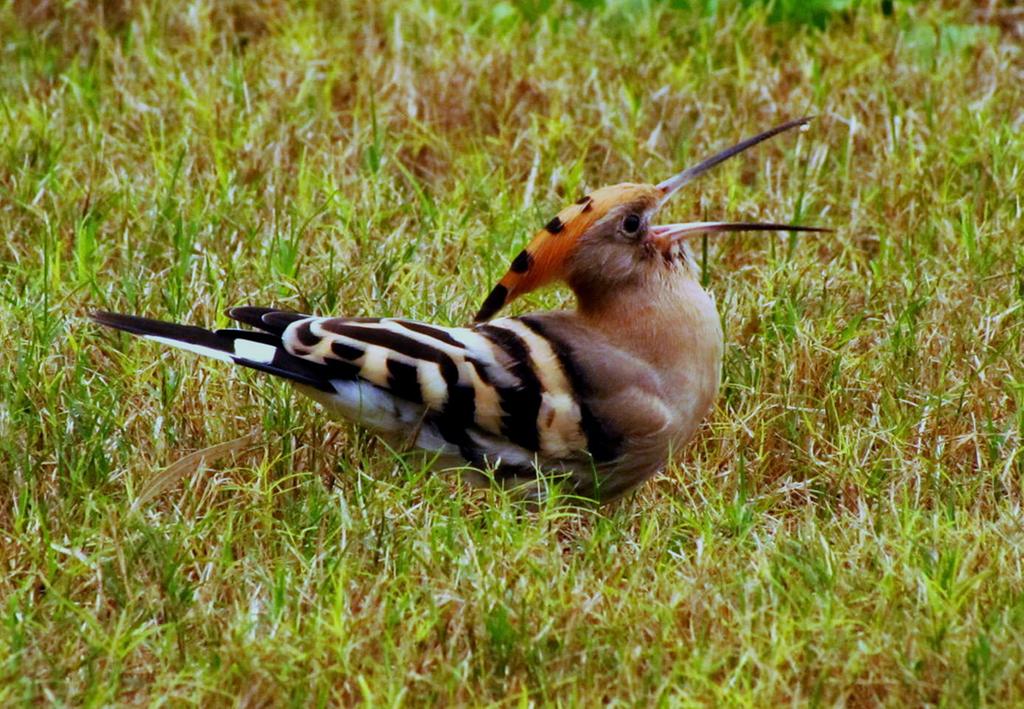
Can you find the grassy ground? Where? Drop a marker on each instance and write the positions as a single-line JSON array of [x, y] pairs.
[[846, 529]]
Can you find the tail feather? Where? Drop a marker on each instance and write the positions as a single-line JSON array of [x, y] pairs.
[[259, 350], [147, 327]]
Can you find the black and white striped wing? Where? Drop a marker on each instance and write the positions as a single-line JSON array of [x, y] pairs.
[[510, 394], [505, 391]]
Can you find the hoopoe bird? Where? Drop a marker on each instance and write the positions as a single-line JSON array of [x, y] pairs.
[[598, 397]]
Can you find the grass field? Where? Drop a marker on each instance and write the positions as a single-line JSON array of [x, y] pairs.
[[846, 529]]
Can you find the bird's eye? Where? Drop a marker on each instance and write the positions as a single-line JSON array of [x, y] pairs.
[[631, 223]]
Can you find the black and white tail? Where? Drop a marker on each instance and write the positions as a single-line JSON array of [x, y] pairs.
[[260, 350]]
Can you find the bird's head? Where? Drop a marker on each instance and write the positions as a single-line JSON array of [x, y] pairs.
[[608, 240]]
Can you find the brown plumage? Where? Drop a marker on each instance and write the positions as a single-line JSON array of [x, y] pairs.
[[599, 396]]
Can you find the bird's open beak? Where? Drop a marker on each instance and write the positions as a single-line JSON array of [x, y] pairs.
[[672, 185], [666, 234]]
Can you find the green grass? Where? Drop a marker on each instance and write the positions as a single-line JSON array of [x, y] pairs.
[[847, 527]]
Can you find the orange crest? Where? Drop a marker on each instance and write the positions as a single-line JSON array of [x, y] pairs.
[[545, 257]]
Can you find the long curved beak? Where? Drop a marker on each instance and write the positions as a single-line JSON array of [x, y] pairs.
[[672, 185], [664, 235]]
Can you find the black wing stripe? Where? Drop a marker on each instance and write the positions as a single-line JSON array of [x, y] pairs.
[[403, 382], [603, 443], [521, 403], [436, 333], [453, 422], [304, 333], [346, 352]]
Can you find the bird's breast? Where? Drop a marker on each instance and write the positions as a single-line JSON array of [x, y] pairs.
[[675, 329], [692, 381]]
